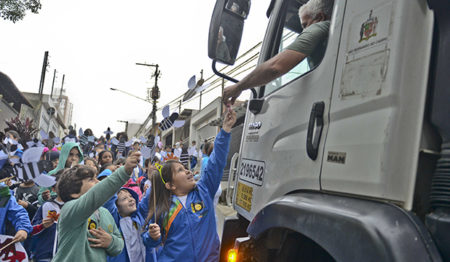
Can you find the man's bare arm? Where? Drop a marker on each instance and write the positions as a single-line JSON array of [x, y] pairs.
[[264, 73]]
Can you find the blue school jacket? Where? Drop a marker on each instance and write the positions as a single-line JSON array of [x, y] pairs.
[[16, 214], [191, 232], [44, 241], [138, 217]]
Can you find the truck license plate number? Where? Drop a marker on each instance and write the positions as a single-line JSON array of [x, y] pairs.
[[252, 171]]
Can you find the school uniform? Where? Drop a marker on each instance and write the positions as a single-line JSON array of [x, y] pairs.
[[44, 239], [189, 229], [131, 228]]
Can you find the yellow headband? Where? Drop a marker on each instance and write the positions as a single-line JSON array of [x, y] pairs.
[[159, 167]]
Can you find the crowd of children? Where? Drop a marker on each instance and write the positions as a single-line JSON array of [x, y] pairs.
[[110, 199]]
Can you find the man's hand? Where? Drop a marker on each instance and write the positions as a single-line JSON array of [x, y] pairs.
[[47, 222], [22, 203], [102, 238], [229, 120], [230, 94], [46, 195], [132, 162], [154, 231], [20, 236]]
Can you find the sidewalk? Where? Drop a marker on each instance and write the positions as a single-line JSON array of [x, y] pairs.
[[223, 211]]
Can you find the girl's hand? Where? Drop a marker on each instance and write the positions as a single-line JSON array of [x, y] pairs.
[[102, 238], [131, 162], [154, 231], [47, 222], [229, 119]]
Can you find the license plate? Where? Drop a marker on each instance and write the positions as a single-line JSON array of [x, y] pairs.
[[252, 171], [244, 196]]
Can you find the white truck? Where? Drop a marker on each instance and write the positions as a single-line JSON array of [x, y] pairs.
[[349, 160]]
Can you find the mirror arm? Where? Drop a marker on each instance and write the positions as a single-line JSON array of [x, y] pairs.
[[269, 10], [229, 78]]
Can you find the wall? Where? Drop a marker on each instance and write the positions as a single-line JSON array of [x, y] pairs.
[[6, 113], [199, 129], [132, 129]]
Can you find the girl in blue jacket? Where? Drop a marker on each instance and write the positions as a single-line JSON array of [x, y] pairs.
[[129, 214], [185, 223]]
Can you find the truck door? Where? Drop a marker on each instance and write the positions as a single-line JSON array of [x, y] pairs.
[[378, 99], [275, 156]]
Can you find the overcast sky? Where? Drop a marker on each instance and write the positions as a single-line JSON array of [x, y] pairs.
[[97, 43]]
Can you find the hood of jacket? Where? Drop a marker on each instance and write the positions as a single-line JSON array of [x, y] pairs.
[[65, 150]]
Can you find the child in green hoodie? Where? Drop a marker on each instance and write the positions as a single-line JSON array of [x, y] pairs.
[[83, 223], [70, 154]]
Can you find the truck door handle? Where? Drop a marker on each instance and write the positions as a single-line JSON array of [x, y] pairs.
[[315, 119]]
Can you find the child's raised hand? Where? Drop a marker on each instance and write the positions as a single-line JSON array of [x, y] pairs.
[[102, 238], [229, 119], [154, 231], [132, 162]]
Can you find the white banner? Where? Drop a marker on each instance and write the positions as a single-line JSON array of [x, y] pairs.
[[11, 252]]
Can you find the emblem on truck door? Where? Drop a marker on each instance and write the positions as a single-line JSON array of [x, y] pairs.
[[368, 28]]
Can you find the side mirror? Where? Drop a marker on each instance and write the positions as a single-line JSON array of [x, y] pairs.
[[225, 30]]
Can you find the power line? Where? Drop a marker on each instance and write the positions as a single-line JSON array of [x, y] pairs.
[[216, 82]]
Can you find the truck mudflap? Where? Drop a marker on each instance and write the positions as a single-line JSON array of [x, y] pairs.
[[349, 229]]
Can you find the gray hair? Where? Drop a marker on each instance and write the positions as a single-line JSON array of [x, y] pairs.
[[314, 7]]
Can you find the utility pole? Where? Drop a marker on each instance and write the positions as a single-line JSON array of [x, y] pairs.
[[62, 86], [155, 94], [41, 90], [53, 83], [200, 98], [44, 70]]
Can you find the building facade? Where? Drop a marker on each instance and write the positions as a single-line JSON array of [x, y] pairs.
[[12, 101], [51, 114]]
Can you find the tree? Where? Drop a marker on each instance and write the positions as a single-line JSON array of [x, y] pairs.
[[25, 129], [14, 10]]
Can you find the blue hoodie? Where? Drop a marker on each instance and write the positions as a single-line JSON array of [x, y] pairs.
[[192, 235], [138, 216], [15, 213]]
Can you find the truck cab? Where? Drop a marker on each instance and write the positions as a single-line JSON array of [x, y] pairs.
[[339, 158]]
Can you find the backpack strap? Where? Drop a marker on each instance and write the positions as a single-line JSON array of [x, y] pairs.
[[173, 212]]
